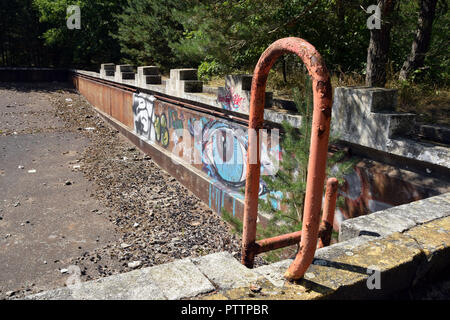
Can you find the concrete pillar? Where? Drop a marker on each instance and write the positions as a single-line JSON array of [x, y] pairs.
[[182, 81], [124, 72], [235, 96], [148, 75], [107, 70]]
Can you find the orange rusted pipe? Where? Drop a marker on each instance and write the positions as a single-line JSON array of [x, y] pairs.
[[278, 242], [326, 226], [318, 150]]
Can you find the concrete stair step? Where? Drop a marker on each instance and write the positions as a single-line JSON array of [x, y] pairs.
[[128, 75], [192, 85], [108, 66], [240, 82], [368, 99], [184, 74], [153, 79], [125, 68], [109, 73], [398, 124], [148, 71], [434, 133]]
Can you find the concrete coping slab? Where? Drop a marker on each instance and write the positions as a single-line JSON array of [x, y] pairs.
[[224, 271], [396, 219]]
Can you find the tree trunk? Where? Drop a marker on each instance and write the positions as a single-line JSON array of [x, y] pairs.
[[377, 53], [422, 40]]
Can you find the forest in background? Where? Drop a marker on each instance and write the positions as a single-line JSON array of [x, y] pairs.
[[410, 52]]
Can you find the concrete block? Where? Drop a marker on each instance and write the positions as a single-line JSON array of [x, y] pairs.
[[396, 219], [107, 70], [224, 271], [275, 272], [425, 210], [239, 82], [368, 99], [128, 75], [108, 66], [152, 79], [180, 279], [378, 224], [185, 74], [192, 86], [134, 285], [392, 125], [183, 81], [434, 239], [148, 75], [148, 71], [124, 68], [330, 253], [124, 72]]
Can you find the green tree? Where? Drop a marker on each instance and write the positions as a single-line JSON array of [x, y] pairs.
[[146, 27], [85, 48], [233, 34], [291, 177], [19, 34]]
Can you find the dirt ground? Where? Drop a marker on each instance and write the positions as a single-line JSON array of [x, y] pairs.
[[95, 201]]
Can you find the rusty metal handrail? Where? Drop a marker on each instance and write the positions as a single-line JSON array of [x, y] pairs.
[[317, 159]]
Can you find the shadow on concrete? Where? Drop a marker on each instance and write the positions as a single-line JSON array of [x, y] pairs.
[[47, 87], [341, 266]]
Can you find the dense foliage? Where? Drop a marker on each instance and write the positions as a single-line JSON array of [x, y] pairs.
[[216, 36]]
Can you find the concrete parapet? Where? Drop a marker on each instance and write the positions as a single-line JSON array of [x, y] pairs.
[[224, 271]]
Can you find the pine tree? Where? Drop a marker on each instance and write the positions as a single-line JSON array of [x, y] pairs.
[[290, 179], [146, 27]]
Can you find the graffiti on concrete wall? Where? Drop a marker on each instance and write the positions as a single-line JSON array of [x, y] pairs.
[[144, 113], [232, 101], [148, 123], [217, 147], [223, 151]]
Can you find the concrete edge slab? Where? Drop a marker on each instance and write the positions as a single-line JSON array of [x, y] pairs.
[[361, 268], [396, 219], [224, 271]]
